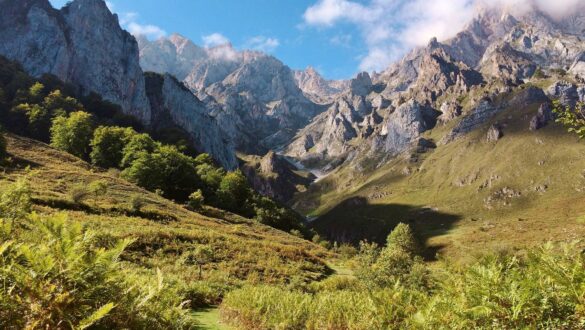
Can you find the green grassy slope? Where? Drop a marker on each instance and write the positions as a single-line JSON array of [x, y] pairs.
[[164, 232], [466, 196]]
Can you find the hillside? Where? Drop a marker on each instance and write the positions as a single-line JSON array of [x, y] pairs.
[[467, 196], [163, 231]]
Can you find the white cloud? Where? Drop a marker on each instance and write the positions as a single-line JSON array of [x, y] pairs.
[[262, 43], [110, 6], [390, 28], [129, 21], [214, 40], [342, 40]]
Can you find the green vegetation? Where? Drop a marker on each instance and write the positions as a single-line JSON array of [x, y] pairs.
[[39, 109], [55, 274], [108, 144], [198, 258], [543, 289], [73, 133], [573, 119]]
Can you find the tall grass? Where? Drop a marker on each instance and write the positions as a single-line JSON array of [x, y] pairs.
[[543, 289]]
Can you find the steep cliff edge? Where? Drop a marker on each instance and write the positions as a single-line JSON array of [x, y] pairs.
[[82, 44]]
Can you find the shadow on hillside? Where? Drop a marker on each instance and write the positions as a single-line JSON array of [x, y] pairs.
[[62, 204], [355, 220], [16, 164]]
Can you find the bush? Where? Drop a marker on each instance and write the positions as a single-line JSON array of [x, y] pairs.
[[233, 191], [137, 202], [108, 145], [78, 193], [98, 188], [168, 170], [54, 265], [15, 201], [196, 200], [73, 133]]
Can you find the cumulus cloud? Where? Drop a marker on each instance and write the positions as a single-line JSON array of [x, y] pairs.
[[262, 43], [390, 28], [130, 22]]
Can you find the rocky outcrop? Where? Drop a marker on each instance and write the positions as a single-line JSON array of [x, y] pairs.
[[474, 119], [494, 133], [275, 177], [317, 88], [542, 117], [173, 103], [255, 96], [565, 92], [403, 127], [82, 44]]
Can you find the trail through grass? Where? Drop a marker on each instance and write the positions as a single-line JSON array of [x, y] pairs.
[[208, 319]]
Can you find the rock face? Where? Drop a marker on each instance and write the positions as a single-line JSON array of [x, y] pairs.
[[403, 126], [316, 87], [172, 102], [254, 95], [494, 133], [274, 176], [82, 44], [542, 118]]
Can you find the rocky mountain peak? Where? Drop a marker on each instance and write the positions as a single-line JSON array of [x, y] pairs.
[[361, 85]]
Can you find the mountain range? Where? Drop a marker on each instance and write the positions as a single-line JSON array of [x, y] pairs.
[[295, 132]]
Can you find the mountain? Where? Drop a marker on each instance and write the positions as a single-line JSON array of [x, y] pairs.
[[254, 96], [84, 45], [173, 103], [493, 54], [457, 139], [81, 44], [316, 87]]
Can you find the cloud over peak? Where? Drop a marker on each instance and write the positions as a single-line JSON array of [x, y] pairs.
[[390, 28]]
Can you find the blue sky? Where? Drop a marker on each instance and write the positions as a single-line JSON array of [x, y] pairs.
[[335, 52], [338, 37]]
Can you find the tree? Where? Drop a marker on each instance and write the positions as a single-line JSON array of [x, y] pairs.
[[73, 133], [37, 120], [573, 119], [58, 104], [402, 238], [108, 145], [138, 143], [233, 191], [202, 255], [196, 200], [166, 169]]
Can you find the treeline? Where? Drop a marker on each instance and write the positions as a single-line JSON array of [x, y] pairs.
[[97, 131]]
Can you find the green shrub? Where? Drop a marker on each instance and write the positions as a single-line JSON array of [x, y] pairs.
[[573, 119], [54, 278], [73, 133], [15, 201], [137, 202], [78, 193], [168, 170], [108, 145], [196, 200], [98, 188]]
